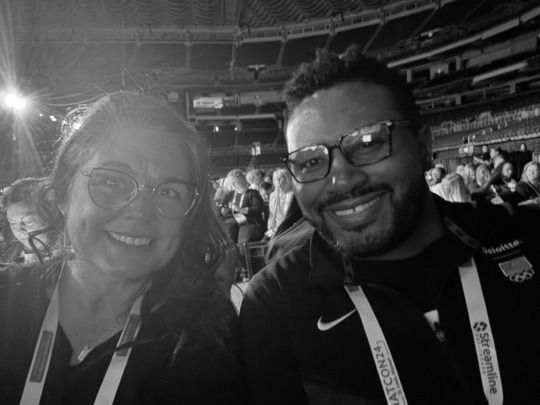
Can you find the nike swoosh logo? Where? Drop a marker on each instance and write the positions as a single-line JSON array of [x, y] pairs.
[[324, 326]]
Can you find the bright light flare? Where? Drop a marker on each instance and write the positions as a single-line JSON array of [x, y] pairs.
[[15, 102]]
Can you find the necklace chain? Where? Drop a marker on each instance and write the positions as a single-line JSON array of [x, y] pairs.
[[88, 348]]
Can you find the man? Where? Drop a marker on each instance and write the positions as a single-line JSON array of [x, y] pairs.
[[382, 305]]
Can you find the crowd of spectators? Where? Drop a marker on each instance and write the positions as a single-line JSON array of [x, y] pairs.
[[491, 178]]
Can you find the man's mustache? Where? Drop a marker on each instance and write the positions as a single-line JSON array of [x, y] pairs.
[[356, 191]]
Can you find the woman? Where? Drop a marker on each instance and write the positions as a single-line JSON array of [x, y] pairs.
[[280, 200], [255, 179], [528, 189], [136, 316], [247, 223], [452, 188], [18, 203]]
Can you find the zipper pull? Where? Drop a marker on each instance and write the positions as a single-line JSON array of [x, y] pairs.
[[432, 317]]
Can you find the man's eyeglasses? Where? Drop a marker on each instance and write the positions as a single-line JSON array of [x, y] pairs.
[[112, 190], [361, 147]]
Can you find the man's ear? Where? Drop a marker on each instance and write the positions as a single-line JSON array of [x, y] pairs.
[[424, 139]]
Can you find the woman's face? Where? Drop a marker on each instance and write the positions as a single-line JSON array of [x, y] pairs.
[[23, 219], [533, 173], [282, 183], [482, 176], [134, 241]]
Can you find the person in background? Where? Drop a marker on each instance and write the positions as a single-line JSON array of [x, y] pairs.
[[254, 178], [280, 200], [469, 176], [459, 169], [247, 206], [528, 189], [398, 296], [222, 191], [266, 191], [437, 174], [502, 182], [484, 158], [19, 204], [135, 316], [452, 188]]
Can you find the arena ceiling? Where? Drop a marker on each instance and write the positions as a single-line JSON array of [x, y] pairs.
[[182, 13], [63, 48]]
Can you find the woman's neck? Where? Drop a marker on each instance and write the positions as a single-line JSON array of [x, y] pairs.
[[90, 292]]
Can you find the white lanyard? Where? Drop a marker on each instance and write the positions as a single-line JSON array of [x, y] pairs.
[[42, 355], [483, 336], [480, 326], [380, 351]]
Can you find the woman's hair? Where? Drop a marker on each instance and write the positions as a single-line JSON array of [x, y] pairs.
[[525, 168], [22, 190], [485, 170], [236, 175], [293, 231], [282, 173], [254, 177], [192, 267], [453, 189]]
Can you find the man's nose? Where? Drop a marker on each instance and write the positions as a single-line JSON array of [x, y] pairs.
[[343, 175]]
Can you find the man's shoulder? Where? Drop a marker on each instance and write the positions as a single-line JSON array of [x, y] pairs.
[[291, 267]]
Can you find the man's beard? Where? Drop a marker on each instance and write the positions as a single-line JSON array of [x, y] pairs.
[[373, 239]]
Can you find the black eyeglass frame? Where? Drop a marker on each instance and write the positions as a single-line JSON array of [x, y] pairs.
[[338, 145], [137, 190]]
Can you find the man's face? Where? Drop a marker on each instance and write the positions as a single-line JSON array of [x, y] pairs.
[[364, 210], [507, 171]]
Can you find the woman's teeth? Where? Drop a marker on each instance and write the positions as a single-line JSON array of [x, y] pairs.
[[358, 208], [128, 240]]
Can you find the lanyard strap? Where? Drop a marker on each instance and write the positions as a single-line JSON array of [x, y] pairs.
[[380, 351], [480, 327], [482, 334], [42, 354], [119, 360]]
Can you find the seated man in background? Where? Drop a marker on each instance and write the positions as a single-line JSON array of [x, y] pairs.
[[399, 296]]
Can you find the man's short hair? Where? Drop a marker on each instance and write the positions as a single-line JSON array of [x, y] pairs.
[[329, 69]]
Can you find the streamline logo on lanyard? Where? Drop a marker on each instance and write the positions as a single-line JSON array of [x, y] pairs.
[[43, 351], [480, 327]]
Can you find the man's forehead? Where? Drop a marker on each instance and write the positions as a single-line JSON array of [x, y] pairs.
[[338, 109]]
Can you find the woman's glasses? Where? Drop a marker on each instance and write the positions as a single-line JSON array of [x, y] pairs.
[[361, 147], [112, 190]]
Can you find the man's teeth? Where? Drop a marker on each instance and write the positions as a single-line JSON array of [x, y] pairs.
[[128, 240], [358, 208]]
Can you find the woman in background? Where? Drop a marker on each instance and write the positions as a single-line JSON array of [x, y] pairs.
[[136, 316], [452, 188], [280, 200], [18, 203], [528, 189]]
